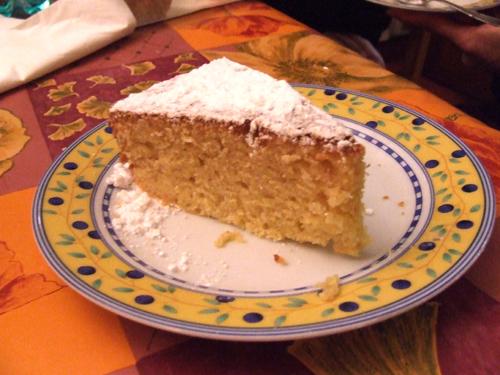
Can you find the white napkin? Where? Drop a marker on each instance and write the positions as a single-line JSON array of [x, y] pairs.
[[71, 29]]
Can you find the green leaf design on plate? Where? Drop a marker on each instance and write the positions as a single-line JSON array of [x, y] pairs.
[[84, 154], [82, 195], [397, 114], [311, 92], [422, 256], [456, 237], [380, 123], [431, 137], [475, 208], [442, 232], [417, 148], [123, 289], [279, 320], [88, 143], [171, 289], [107, 150], [49, 212], [63, 173], [159, 288], [170, 309], [61, 185], [433, 143], [437, 228], [264, 305], [462, 173], [208, 311], [367, 280], [97, 284], [418, 128], [404, 117], [351, 110], [375, 290], [437, 174], [461, 181], [454, 252], [98, 140], [65, 243], [443, 177], [221, 318], [447, 197], [457, 212], [296, 302], [327, 312], [57, 190], [94, 250], [447, 257], [405, 265], [441, 191], [77, 255], [455, 161], [77, 211], [367, 298], [431, 272], [106, 255], [376, 105], [121, 273], [211, 301], [67, 237], [79, 179]]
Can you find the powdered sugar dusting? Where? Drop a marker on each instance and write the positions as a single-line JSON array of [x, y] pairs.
[[227, 91]]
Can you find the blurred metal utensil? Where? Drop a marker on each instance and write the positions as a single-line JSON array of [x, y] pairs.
[[469, 12]]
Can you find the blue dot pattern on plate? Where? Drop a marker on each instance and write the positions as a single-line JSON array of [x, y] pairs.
[[252, 317], [388, 109], [224, 299], [79, 225], [445, 208], [329, 92], [86, 270], [56, 201], [86, 185], [135, 274], [348, 306], [341, 96], [144, 299], [458, 154], [401, 284], [94, 234], [418, 121], [108, 129], [469, 188], [372, 124], [427, 246], [465, 224], [70, 166], [431, 163]]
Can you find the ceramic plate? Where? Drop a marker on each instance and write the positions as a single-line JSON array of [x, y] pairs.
[[431, 212], [435, 6]]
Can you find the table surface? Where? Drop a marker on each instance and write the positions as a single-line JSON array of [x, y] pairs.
[[49, 329]]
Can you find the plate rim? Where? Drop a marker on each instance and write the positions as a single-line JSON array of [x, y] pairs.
[[211, 331], [418, 8]]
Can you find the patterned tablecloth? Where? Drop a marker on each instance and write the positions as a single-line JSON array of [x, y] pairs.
[[46, 328]]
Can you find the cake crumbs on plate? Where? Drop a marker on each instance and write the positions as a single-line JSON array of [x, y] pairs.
[[280, 260], [401, 204], [228, 236], [385, 197], [330, 288]]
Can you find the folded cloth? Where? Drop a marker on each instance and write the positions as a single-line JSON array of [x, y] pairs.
[[71, 29]]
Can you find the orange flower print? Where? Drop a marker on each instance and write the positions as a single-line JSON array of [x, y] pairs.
[[17, 288], [247, 25]]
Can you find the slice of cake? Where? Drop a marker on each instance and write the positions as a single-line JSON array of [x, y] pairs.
[[235, 144]]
